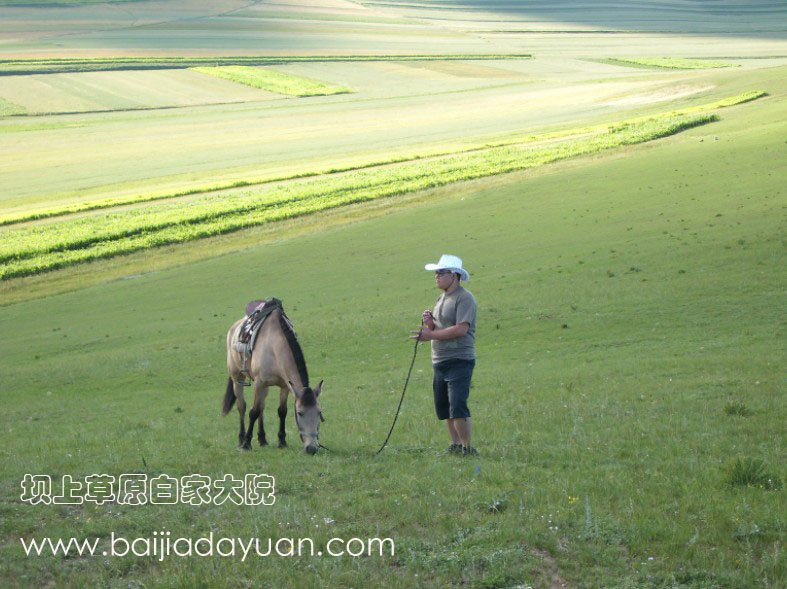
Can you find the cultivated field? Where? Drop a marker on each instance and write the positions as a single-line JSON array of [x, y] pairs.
[[612, 177]]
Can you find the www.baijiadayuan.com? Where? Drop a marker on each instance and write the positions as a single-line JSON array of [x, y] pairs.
[[162, 545]]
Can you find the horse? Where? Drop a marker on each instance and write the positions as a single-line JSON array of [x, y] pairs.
[[276, 360]]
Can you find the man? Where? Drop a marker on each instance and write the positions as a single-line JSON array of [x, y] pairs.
[[451, 329]]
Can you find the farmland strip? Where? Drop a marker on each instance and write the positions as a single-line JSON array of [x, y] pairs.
[[34, 250], [143, 198], [16, 67]]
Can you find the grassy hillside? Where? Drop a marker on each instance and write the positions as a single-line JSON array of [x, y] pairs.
[[41, 248], [628, 400], [625, 304]]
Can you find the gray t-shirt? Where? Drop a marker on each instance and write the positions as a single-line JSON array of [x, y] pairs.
[[453, 309]]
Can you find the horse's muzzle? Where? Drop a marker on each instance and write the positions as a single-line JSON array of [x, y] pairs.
[[311, 450]]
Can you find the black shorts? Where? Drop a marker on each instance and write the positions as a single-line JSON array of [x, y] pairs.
[[451, 385]]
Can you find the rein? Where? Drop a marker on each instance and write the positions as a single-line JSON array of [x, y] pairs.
[[401, 399], [406, 382]]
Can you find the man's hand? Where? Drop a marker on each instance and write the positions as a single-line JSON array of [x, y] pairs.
[[428, 319], [424, 335], [445, 333]]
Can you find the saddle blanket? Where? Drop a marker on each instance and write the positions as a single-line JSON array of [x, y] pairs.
[[245, 337]]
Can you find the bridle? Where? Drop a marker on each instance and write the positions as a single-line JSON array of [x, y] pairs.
[[300, 429]]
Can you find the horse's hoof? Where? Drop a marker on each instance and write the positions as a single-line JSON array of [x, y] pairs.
[[263, 442], [282, 444], [245, 447]]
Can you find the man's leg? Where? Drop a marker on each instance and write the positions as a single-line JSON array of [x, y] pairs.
[[458, 393], [442, 408], [462, 426], [456, 438]]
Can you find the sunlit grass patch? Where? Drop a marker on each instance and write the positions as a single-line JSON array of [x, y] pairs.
[[272, 80], [677, 63], [24, 126], [741, 98], [9, 108]]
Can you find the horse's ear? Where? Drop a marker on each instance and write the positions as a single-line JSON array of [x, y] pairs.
[[318, 389], [292, 388]]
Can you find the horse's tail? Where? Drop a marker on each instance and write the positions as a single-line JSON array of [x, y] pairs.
[[229, 397]]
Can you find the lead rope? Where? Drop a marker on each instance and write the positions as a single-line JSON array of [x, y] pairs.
[[407, 380]]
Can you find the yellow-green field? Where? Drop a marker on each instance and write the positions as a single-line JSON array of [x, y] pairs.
[[675, 63], [272, 81], [617, 195]]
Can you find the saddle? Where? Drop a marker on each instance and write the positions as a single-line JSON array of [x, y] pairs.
[[246, 336]]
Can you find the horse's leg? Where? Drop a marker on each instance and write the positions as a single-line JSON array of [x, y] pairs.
[[261, 433], [260, 391], [283, 416], [241, 410]]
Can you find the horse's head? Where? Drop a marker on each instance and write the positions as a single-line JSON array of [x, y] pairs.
[[308, 416]]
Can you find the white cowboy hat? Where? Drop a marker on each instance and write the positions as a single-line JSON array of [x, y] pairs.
[[449, 262]]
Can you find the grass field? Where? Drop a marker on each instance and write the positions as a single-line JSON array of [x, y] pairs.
[[672, 63], [9, 108], [272, 81], [26, 67], [35, 249], [628, 399]]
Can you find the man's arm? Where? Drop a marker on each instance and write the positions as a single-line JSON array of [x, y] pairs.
[[446, 333]]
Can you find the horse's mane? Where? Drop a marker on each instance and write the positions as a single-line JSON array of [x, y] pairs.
[[308, 399], [295, 347]]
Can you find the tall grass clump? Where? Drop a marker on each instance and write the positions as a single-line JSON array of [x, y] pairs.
[[737, 408], [751, 472], [272, 81]]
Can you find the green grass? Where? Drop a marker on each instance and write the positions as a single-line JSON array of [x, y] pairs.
[[628, 399], [272, 81], [737, 409], [16, 67], [9, 108], [678, 63], [606, 451], [26, 251], [28, 127], [10, 219], [752, 472], [740, 99], [206, 146]]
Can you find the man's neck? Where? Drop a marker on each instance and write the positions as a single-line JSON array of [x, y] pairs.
[[452, 288]]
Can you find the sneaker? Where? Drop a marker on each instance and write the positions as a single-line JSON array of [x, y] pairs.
[[469, 451], [454, 449]]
